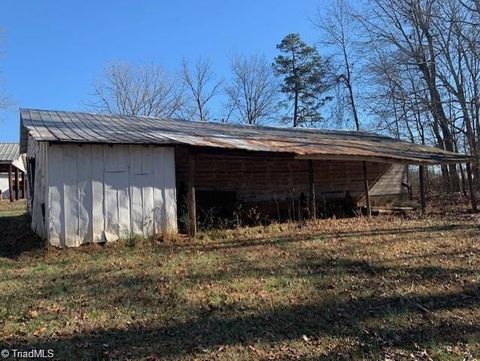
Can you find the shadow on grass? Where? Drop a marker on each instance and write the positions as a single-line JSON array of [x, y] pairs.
[[369, 320], [208, 330], [317, 234], [17, 236], [324, 270]]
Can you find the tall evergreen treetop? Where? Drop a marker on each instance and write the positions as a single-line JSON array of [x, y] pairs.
[[305, 82]]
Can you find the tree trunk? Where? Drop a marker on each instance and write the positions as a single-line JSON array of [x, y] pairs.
[[295, 110]]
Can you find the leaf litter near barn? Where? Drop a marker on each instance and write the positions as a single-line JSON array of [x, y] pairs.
[[381, 288]]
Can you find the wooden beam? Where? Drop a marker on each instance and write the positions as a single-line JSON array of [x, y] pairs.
[[313, 205], [471, 186], [23, 184], [10, 185], [421, 175], [379, 159], [17, 184], [191, 202], [367, 190]]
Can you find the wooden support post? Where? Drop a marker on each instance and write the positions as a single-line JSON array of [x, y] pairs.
[[409, 183], [471, 186], [10, 185], [313, 204], [367, 190], [191, 203], [17, 184], [421, 175], [23, 184]]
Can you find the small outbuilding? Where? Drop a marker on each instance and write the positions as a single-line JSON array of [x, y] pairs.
[[99, 178], [12, 172]]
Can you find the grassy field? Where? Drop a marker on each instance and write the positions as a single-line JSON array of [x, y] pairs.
[[386, 288]]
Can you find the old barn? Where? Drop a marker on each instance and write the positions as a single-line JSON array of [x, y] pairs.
[[99, 178], [12, 172]]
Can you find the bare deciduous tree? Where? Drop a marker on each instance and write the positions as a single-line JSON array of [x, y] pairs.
[[201, 82], [471, 5], [145, 90], [338, 28], [253, 91], [340, 34], [406, 29], [419, 71]]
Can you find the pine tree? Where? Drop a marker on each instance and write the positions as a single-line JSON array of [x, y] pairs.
[[304, 79]]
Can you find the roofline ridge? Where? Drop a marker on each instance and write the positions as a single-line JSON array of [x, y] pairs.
[[169, 130], [235, 125]]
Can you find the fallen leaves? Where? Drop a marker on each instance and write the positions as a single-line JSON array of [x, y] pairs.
[[381, 288]]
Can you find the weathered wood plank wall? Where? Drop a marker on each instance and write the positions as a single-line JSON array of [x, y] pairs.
[[267, 177]]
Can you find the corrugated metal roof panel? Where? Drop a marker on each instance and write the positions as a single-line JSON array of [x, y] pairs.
[[9, 152], [61, 126]]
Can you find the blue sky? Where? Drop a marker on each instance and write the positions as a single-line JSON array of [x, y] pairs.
[[52, 51]]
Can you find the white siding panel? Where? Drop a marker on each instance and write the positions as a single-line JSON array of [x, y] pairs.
[[164, 194], [102, 193], [147, 161], [159, 217], [148, 185], [111, 206], [111, 174], [117, 200], [123, 192], [136, 202], [136, 181], [85, 226], [70, 177], [116, 158], [170, 191], [56, 217], [148, 208], [136, 154], [98, 216], [4, 185]]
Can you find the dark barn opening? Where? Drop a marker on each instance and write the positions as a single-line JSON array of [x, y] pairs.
[[235, 188]]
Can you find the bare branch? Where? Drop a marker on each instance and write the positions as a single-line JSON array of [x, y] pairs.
[[200, 80], [145, 90], [253, 91]]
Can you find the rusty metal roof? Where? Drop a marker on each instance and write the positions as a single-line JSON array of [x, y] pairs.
[[9, 152], [77, 127]]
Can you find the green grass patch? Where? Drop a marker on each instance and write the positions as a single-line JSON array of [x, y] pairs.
[[385, 288]]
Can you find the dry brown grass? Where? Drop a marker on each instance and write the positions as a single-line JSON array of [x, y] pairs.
[[381, 288], [7, 207]]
